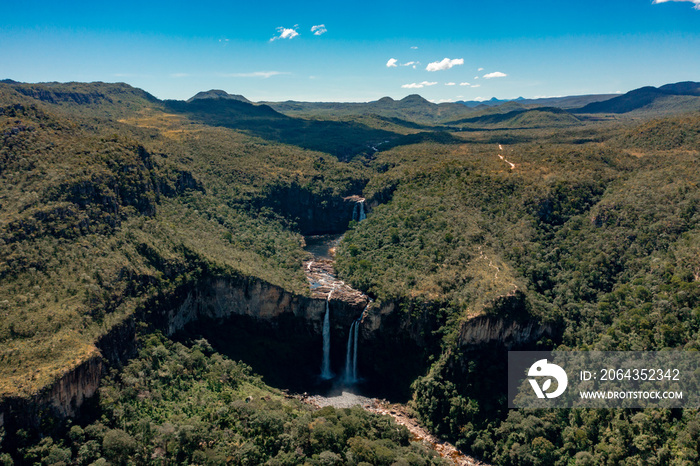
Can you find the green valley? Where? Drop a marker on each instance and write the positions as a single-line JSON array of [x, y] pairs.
[[131, 227]]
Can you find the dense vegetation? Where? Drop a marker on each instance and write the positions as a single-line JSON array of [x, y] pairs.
[[111, 201], [601, 238], [102, 217], [176, 404]]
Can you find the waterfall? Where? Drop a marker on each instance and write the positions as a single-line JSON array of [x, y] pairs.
[[358, 212], [362, 211], [326, 364], [354, 352], [349, 376], [351, 353]]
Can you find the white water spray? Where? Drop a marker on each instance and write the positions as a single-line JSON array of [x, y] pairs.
[[326, 364]]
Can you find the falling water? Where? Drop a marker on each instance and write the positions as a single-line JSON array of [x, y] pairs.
[[362, 211], [349, 375], [358, 212], [354, 352], [326, 364], [351, 353]]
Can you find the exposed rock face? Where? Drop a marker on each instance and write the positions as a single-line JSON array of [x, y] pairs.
[[508, 322], [314, 213], [395, 344], [487, 329], [69, 392], [322, 279], [222, 298], [62, 399]]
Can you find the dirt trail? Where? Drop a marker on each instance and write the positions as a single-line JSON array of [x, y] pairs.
[[512, 165]]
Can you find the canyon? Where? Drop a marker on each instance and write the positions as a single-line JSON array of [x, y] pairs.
[[374, 347]]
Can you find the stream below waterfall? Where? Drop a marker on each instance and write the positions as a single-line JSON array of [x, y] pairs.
[[322, 246]]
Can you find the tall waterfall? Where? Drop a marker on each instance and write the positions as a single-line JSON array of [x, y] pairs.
[[326, 364], [354, 352], [348, 356], [351, 353]]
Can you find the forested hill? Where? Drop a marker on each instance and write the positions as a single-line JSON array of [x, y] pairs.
[[683, 96], [110, 202], [580, 234]]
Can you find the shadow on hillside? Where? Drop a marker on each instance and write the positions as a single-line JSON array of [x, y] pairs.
[[341, 139]]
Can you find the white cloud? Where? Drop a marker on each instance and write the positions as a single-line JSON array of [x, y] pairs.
[[480, 69], [476, 85], [414, 48], [391, 63], [476, 77], [441, 101], [445, 64], [256, 74], [286, 33], [410, 63], [318, 30], [481, 99], [450, 84], [418, 85], [495, 74], [464, 84], [695, 2], [179, 75]]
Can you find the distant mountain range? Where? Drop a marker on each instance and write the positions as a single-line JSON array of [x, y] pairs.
[[648, 97], [413, 108], [369, 122], [573, 101], [670, 98]]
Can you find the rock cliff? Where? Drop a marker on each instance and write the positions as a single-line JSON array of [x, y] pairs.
[[314, 213], [489, 329], [62, 399]]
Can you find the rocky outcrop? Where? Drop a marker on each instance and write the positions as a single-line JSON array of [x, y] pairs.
[[323, 282], [61, 399], [507, 321], [487, 329], [223, 298], [315, 213]]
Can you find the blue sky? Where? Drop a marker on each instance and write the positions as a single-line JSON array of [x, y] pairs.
[[443, 50]]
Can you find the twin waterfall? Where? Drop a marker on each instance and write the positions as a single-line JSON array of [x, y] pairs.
[[351, 354], [350, 376]]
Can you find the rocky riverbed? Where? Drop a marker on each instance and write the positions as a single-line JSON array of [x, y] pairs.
[[401, 415]]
